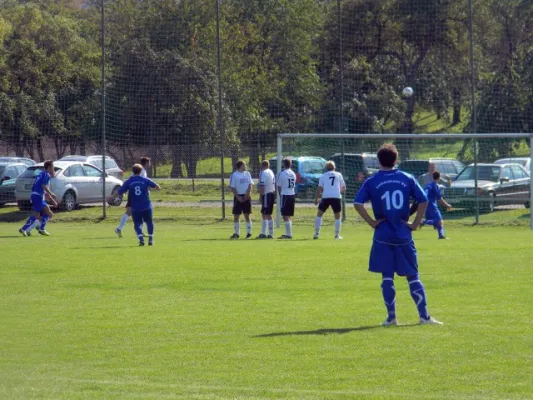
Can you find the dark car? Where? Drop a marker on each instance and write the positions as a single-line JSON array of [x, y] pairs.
[[19, 160], [8, 176], [448, 167], [498, 184], [308, 171], [353, 169]]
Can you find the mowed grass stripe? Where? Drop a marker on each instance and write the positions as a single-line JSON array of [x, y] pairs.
[[86, 315]]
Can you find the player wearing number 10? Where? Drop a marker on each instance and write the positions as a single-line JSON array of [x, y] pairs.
[[138, 189], [393, 249]]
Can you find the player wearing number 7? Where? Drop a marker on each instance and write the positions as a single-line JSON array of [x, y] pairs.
[[330, 187], [393, 249]]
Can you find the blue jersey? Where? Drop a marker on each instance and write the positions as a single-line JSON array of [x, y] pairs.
[[433, 194], [138, 193], [43, 179], [390, 192]]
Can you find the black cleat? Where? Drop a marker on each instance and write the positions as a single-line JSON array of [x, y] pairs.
[[234, 236], [285, 237], [270, 237], [150, 243], [261, 236], [248, 235], [141, 244]]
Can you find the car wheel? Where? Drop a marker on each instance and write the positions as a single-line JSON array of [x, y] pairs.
[[490, 204], [527, 205], [118, 200], [69, 201]]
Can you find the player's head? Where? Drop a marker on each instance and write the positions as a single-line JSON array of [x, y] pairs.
[[265, 165], [240, 166], [431, 167], [436, 176], [330, 165], [387, 155], [137, 169], [145, 162], [49, 167], [287, 162]]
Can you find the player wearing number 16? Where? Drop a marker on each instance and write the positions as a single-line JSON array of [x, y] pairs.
[[330, 187], [138, 189], [393, 249]]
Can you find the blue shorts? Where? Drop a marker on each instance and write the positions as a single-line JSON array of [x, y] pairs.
[[433, 214], [389, 259], [37, 203], [140, 217]]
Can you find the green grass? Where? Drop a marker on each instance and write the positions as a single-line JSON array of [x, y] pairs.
[[88, 316]]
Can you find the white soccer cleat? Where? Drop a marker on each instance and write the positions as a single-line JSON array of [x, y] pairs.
[[392, 322], [430, 321], [338, 237]]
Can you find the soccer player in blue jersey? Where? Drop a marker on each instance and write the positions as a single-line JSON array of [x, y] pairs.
[[138, 189], [41, 209], [393, 249], [433, 214]]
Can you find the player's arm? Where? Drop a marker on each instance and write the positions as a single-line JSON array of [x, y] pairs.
[[121, 190], [342, 183], [361, 210], [420, 196], [444, 203], [319, 191], [153, 185]]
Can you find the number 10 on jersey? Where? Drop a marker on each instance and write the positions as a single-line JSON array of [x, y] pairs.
[[395, 200]]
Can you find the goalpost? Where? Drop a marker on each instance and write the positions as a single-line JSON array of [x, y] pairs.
[[495, 193]]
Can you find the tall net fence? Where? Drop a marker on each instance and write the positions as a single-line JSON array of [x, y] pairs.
[[197, 85], [485, 178]]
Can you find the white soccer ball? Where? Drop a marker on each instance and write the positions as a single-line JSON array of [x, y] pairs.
[[408, 91]]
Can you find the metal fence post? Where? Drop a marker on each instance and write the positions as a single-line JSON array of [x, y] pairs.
[[102, 36], [278, 170]]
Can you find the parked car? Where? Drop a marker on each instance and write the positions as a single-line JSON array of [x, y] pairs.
[[26, 161], [523, 161], [371, 162], [448, 167], [8, 175], [74, 183], [308, 171], [353, 169], [498, 184], [111, 166]]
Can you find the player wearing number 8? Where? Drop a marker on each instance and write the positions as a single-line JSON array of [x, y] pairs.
[[393, 249], [330, 187], [139, 198]]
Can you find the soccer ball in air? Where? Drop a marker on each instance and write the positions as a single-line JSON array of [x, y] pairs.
[[408, 91]]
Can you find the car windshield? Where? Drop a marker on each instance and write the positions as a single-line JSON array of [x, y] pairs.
[[2, 168], [312, 167], [484, 173], [521, 161]]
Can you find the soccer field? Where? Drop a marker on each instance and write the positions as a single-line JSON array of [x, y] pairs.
[[86, 315]]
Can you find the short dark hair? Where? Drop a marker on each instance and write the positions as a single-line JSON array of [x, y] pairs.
[[387, 155], [436, 175], [145, 160], [239, 164], [48, 163], [136, 169], [287, 162]]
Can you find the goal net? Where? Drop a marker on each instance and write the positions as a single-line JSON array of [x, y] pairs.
[[484, 177]]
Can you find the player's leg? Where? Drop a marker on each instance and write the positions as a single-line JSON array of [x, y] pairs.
[[382, 261], [440, 229], [35, 220], [46, 215], [336, 204], [123, 220], [318, 219], [237, 211], [148, 220], [264, 219], [407, 265], [248, 225], [137, 217]]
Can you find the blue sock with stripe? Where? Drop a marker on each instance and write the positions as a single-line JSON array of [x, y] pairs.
[[44, 221], [389, 296], [29, 223], [419, 295]]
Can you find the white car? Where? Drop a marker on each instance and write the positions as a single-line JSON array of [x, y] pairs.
[[111, 166], [74, 183], [523, 161]]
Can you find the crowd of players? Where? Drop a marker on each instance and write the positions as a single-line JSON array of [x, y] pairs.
[[390, 191]]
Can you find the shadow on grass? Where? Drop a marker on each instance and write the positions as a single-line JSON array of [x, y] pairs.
[[14, 216], [332, 331]]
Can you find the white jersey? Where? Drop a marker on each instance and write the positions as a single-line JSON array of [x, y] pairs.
[[267, 180], [287, 181], [144, 174], [331, 182], [240, 181]]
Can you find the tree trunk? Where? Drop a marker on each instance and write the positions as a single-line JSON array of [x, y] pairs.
[[456, 107], [177, 171], [253, 165], [40, 149]]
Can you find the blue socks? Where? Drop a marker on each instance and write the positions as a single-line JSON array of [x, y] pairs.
[[419, 295], [29, 223], [44, 221], [440, 230], [389, 295]]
